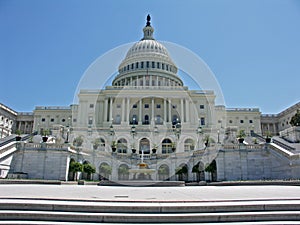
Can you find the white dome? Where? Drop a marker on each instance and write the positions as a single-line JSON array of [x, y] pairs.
[[149, 57]]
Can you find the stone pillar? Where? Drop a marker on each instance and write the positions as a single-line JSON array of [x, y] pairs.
[[128, 110], [110, 109], [123, 110], [105, 110], [140, 111], [152, 110], [165, 111], [169, 114], [182, 111], [187, 109]]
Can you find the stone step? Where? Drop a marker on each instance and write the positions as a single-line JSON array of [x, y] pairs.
[[149, 217], [148, 207], [18, 222]]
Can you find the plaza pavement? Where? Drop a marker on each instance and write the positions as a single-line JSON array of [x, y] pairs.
[[150, 194]]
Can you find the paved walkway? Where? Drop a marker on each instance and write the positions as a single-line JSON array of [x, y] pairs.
[[151, 194]]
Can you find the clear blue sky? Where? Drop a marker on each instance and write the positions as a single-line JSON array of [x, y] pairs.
[[253, 47]]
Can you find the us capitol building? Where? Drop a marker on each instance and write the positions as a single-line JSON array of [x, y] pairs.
[[149, 126]]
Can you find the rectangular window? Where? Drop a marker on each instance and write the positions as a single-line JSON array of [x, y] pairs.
[[250, 121], [241, 121], [52, 120], [142, 65], [163, 66], [146, 106], [137, 65], [43, 119], [157, 66], [147, 64], [134, 106], [91, 106], [201, 106], [132, 66], [74, 120], [153, 64], [158, 106], [202, 121], [118, 106]]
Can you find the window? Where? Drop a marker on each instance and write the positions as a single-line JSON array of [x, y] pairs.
[[250, 121], [158, 119], [241, 121], [189, 145], [153, 64], [146, 106], [74, 120], [202, 121], [163, 66], [43, 119], [147, 64], [122, 146], [134, 120], [52, 120], [230, 121], [157, 65], [63, 120], [90, 122], [201, 106], [166, 146], [117, 119], [137, 65], [174, 106], [132, 66], [158, 106], [127, 67], [134, 106], [142, 65], [167, 67], [118, 106], [146, 120], [91, 106]]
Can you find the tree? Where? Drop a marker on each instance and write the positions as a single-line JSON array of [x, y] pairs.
[[105, 170], [78, 141], [295, 120], [89, 169], [75, 167], [212, 167]]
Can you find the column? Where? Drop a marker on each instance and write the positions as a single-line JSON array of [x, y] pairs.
[[128, 110], [152, 111], [165, 111], [105, 110], [182, 111], [169, 116], [110, 109], [140, 111], [187, 109], [123, 110]]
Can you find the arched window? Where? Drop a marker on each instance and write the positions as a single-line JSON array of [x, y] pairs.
[[122, 146], [166, 146], [189, 145], [146, 120]]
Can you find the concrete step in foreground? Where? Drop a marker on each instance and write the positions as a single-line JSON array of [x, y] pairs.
[[146, 212]]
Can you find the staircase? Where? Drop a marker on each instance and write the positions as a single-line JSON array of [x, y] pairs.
[[34, 211]]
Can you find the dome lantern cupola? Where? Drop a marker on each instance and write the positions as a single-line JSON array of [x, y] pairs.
[[148, 30]]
